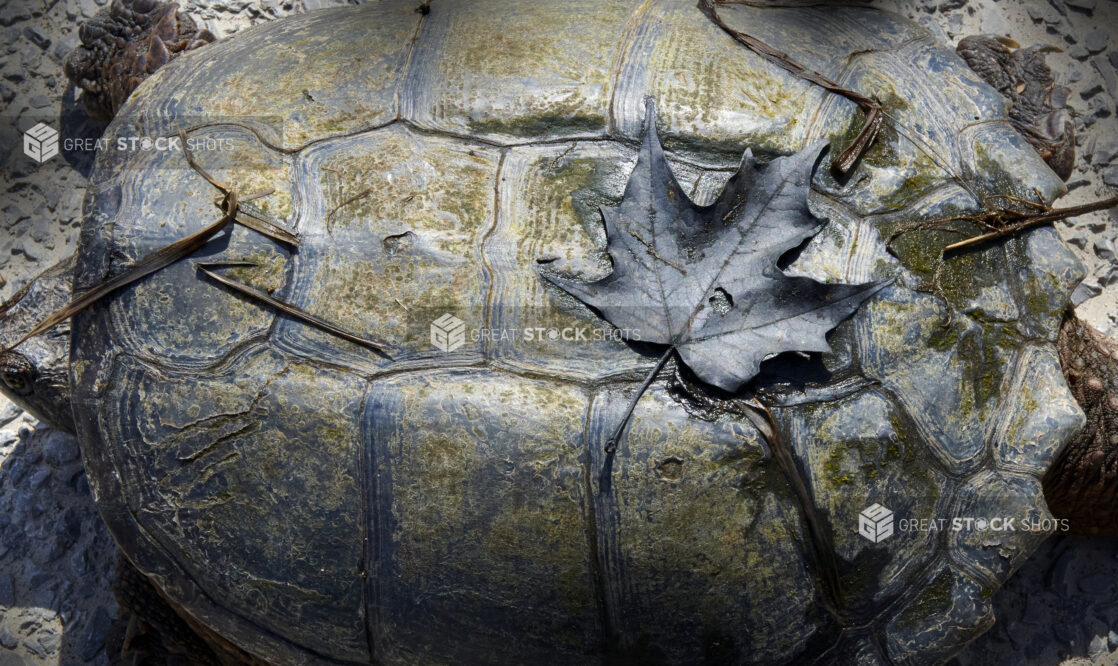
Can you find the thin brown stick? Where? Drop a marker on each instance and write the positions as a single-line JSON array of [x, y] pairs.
[[283, 306], [229, 203], [1034, 221], [871, 107], [158, 259]]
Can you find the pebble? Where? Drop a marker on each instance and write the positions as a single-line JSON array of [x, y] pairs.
[[1043, 12], [9, 412], [1087, 289], [37, 36], [59, 447], [30, 57], [1084, 5], [1110, 176], [1104, 249], [1103, 151], [12, 12], [7, 639], [89, 8], [1110, 278], [1096, 40], [35, 649]]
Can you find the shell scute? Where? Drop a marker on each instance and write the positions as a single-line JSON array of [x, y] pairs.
[[858, 451], [480, 518], [506, 75], [174, 317], [697, 507], [205, 461], [392, 224]]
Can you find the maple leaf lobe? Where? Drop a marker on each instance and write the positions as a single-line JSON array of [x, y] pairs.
[[704, 279]]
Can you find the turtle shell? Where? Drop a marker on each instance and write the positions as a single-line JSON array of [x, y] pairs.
[[315, 502]]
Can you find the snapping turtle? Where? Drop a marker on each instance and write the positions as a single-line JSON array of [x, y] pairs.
[[314, 502]]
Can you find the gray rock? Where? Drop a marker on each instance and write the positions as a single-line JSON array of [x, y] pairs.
[[1104, 249], [1079, 52], [34, 648], [58, 447], [40, 101], [26, 248], [7, 639], [1096, 40], [37, 36], [1091, 89], [62, 49], [8, 413], [12, 12], [1104, 151], [30, 57], [1110, 278], [1098, 108], [1042, 12], [1087, 6], [1097, 647], [50, 641], [1110, 176], [12, 659], [1086, 290], [1112, 57]]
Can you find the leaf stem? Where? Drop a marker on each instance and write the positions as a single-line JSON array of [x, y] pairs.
[[604, 479], [611, 444]]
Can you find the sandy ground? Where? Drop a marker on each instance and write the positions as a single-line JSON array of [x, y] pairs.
[[56, 558]]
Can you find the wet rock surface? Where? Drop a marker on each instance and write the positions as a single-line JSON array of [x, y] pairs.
[[56, 558]]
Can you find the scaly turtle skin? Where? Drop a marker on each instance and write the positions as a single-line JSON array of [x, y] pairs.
[[316, 503], [122, 45], [1037, 106], [1083, 485]]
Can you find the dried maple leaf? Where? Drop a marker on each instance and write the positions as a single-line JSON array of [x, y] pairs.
[[704, 279]]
